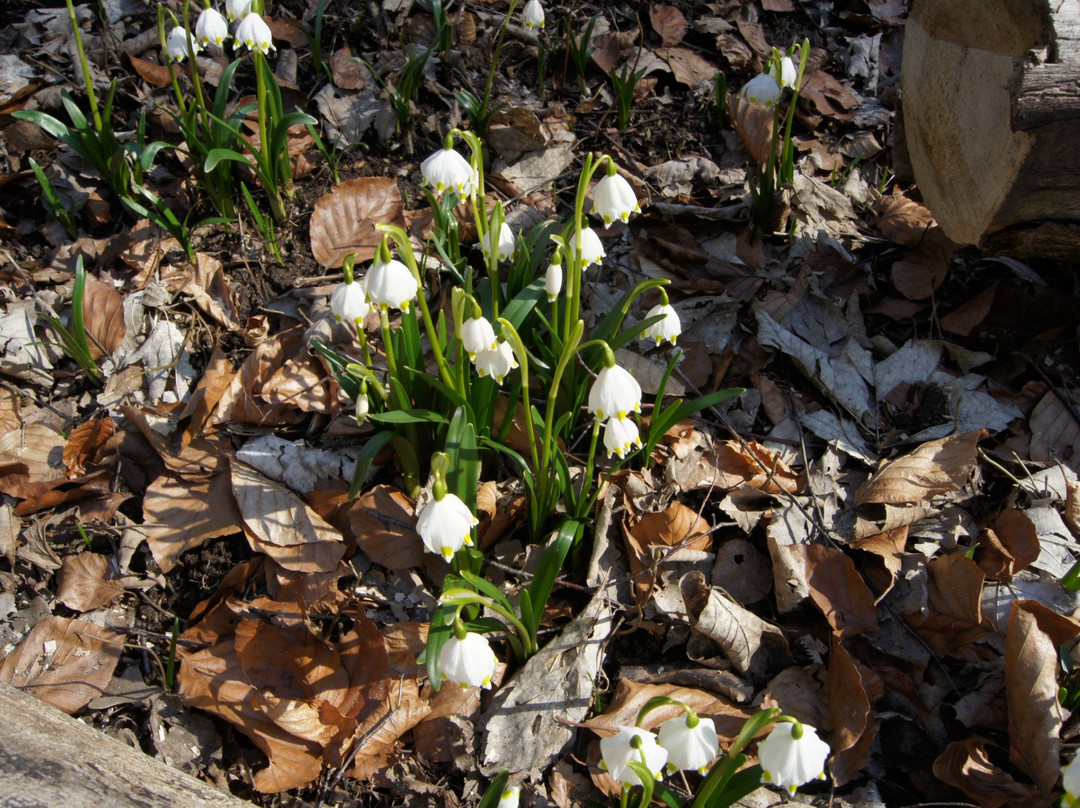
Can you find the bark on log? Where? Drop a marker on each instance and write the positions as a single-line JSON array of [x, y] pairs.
[[48, 759], [991, 104]]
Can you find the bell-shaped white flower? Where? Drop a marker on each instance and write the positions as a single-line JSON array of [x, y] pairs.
[[592, 251], [363, 407], [667, 329], [254, 34], [237, 9], [211, 28], [613, 198], [390, 285], [621, 748], [614, 394], [496, 362], [691, 748], [177, 45], [349, 302], [469, 662], [787, 72], [761, 89], [621, 436], [510, 797], [553, 281], [477, 334], [505, 246], [532, 16], [446, 170], [444, 525], [1070, 779], [787, 761]]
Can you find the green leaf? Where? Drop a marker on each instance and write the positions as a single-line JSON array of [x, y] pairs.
[[464, 473], [484, 587], [366, 457], [517, 309], [410, 416], [495, 790], [740, 785], [548, 569]]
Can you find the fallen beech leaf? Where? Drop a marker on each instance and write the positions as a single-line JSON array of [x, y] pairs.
[[967, 766], [686, 66], [953, 614], [1055, 434], [838, 590], [669, 23], [1007, 547], [1031, 665], [923, 268], [830, 98], [853, 689], [150, 72], [936, 468], [9, 533], [38, 446], [344, 220], [86, 442], [753, 123], [677, 526], [902, 220], [279, 524], [184, 513], [382, 520], [103, 315], [964, 319], [802, 693], [87, 581], [753, 465], [889, 548], [65, 663], [10, 418]]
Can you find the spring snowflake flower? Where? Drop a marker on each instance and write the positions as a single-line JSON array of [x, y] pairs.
[[177, 44], [496, 362], [667, 329], [613, 198], [553, 281], [363, 407], [510, 797], [789, 762], [762, 89], [211, 28], [614, 394], [444, 525], [533, 15], [787, 71], [349, 302], [631, 744], [237, 9], [620, 436], [592, 251], [446, 170], [505, 247], [477, 334], [469, 662], [1070, 778], [254, 33], [390, 285], [689, 747]]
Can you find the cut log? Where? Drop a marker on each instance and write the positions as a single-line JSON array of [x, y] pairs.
[[48, 758], [991, 106]]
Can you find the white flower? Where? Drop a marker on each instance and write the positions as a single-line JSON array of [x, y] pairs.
[[592, 251], [505, 246], [510, 797], [533, 15], [553, 281], [390, 285], [761, 89], [237, 9], [620, 436], [788, 74], [667, 329], [177, 44], [613, 198], [211, 27], [477, 335], [688, 748], [363, 406], [1070, 778], [446, 170], [469, 662], [254, 33], [349, 302], [614, 394], [496, 362], [789, 762], [618, 750], [444, 525]]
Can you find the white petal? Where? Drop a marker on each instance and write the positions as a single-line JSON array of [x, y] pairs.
[[390, 285], [614, 394], [616, 752]]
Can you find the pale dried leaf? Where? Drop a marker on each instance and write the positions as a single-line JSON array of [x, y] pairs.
[[87, 581], [9, 533], [103, 316], [344, 220], [967, 766], [382, 521], [902, 220], [85, 442], [937, 468], [40, 447], [669, 23], [184, 513], [1055, 433]]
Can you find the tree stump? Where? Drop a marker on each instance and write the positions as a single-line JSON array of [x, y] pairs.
[[991, 105]]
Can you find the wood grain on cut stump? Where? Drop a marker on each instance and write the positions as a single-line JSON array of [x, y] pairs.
[[48, 759], [991, 106]]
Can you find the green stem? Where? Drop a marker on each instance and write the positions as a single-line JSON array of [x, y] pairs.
[[528, 641], [88, 80]]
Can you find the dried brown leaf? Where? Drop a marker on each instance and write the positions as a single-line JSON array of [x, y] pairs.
[[39, 447], [936, 468], [1031, 665], [828, 96], [853, 689], [103, 315], [675, 526], [802, 693], [1055, 433], [669, 23], [150, 72], [888, 547], [10, 419], [65, 663], [923, 268], [964, 319], [753, 123], [382, 521], [86, 442], [630, 696], [967, 766], [953, 614], [344, 220], [1008, 546], [903, 220], [838, 590], [687, 67], [87, 581], [181, 514]]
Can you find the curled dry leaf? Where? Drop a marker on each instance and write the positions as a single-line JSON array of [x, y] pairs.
[[838, 590], [753, 123], [1008, 546], [953, 613], [966, 765], [344, 220], [853, 690], [182, 513], [65, 663], [87, 581], [937, 468], [888, 547], [924, 268], [902, 220], [103, 316], [85, 444], [677, 526], [382, 521]]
